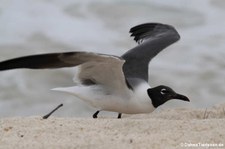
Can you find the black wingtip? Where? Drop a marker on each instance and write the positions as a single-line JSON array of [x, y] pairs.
[[150, 29], [40, 61], [144, 25]]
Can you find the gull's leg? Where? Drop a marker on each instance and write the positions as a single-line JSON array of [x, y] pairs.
[[119, 115], [95, 115]]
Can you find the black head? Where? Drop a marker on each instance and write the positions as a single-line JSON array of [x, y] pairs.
[[161, 94]]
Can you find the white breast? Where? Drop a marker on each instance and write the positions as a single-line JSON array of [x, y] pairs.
[[136, 102], [140, 102]]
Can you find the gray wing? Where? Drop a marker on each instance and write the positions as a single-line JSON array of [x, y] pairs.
[[152, 38], [94, 68]]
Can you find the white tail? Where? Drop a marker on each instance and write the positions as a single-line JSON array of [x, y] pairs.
[[70, 90]]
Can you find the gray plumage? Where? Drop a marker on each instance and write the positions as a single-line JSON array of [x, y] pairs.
[[152, 38]]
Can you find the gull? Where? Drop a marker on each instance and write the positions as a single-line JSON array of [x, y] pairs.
[[113, 83]]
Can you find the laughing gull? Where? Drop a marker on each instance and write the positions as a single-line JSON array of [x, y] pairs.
[[112, 83]]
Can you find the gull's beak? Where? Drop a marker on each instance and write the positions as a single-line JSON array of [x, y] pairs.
[[181, 97]]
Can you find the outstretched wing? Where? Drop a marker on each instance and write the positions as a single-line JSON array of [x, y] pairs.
[[152, 38], [42, 61], [95, 68]]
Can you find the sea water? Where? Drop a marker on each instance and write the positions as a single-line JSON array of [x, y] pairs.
[[194, 66]]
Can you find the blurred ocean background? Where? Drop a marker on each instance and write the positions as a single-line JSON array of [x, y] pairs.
[[194, 66]]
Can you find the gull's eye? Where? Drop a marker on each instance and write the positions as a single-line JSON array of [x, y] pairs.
[[164, 91]]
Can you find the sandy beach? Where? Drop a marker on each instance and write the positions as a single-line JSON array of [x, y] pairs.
[[169, 128]]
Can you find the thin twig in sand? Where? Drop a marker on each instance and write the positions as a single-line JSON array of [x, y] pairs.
[[224, 111], [206, 114], [49, 114]]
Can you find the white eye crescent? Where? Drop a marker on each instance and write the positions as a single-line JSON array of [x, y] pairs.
[[163, 91]]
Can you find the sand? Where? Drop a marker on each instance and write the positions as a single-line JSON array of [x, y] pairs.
[[168, 128]]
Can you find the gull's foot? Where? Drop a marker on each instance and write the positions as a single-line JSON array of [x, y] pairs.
[[119, 115], [95, 115]]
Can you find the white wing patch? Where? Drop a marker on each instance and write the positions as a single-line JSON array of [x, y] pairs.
[[100, 69]]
